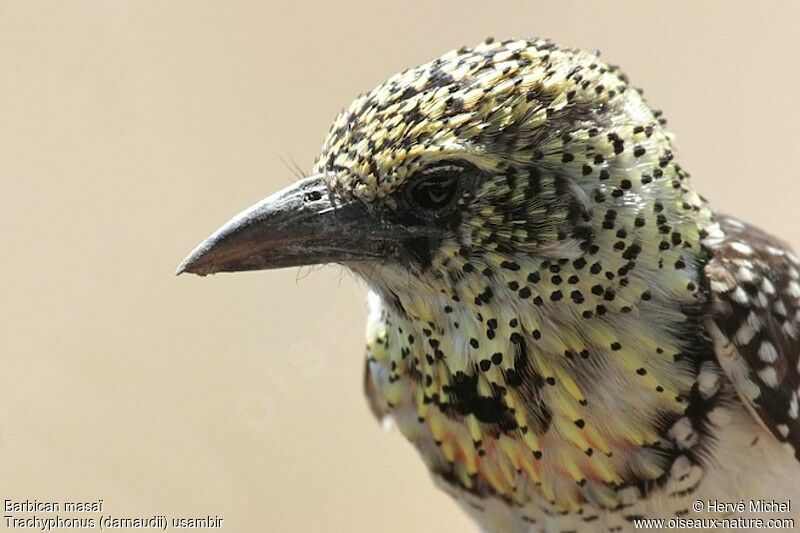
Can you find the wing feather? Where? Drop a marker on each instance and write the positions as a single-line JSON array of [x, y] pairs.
[[755, 323]]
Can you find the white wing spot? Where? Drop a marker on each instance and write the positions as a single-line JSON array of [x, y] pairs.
[[762, 300], [680, 467], [683, 434], [767, 352], [719, 416], [745, 275], [794, 289], [745, 334], [789, 329], [775, 251], [707, 381], [767, 286], [734, 223], [739, 296], [769, 376], [720, 286], [754, 321], [742, 248]]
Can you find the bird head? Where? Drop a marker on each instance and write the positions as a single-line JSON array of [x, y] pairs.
[[525, 196], [485, 158]]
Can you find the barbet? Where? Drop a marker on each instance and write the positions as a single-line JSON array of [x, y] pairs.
[[567, 332]]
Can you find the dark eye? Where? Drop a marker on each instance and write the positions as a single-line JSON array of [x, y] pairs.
[[436, 190]]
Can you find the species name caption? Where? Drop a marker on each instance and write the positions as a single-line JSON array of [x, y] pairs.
[[43, 515]]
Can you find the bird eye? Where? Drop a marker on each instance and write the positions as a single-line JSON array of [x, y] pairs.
[[436, 191]]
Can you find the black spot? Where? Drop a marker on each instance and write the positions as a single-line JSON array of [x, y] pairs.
[[466, 400], [632, 251]]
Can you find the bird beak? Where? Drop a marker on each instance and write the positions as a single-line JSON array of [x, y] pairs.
[[302, 224]]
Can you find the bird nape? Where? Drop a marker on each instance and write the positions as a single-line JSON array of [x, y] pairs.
[[568, 333]]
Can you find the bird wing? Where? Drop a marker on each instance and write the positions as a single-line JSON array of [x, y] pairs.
[[755, 324]]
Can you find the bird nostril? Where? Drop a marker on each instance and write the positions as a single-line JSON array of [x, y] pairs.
[[312, 196]]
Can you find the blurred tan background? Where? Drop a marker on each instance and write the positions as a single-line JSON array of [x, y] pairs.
[[130, 130]]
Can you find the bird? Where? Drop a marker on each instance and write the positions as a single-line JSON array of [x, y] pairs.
[[568, 333]]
